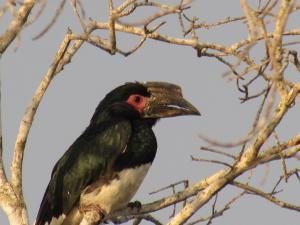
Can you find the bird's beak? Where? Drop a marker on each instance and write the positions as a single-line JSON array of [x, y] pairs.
[[166, 100]]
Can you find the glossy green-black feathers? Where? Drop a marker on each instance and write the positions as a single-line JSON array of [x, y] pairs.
[[115, 132], [91, 155]]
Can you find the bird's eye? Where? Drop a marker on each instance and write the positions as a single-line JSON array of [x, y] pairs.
[[137, 99]]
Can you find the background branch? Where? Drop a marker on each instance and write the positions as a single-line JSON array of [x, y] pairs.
[[267, 196], [16, 25]]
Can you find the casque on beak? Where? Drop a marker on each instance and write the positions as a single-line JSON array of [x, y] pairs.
[[166, 100]]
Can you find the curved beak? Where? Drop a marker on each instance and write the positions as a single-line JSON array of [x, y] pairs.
[[166, 100]]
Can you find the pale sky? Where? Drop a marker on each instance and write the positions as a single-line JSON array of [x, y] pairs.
[[74, 94]]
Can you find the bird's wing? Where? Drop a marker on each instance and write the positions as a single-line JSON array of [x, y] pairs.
[[89, 157]]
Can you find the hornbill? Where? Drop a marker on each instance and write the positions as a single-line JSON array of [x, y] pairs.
[[107, 163]]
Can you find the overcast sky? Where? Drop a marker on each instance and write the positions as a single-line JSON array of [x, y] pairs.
[[74, 94]]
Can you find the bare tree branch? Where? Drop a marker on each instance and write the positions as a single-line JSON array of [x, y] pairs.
[[218, 152], [267, 196], [220, 212], [27, 120], [16, 25], [210, 161]]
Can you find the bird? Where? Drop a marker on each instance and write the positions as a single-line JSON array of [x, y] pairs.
[[104, 167]]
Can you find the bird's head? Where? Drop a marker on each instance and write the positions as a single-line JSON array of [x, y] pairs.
[[151, 100]]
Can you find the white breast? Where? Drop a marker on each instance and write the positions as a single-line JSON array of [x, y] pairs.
[[56, 221], [117, 193]]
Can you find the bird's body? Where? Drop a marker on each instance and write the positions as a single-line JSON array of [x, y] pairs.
[[105, 166]]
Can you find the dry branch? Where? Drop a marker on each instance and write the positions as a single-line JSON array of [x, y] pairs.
[[217, 213], [267, 196], [16, 25], [27, 120], [11, 196]]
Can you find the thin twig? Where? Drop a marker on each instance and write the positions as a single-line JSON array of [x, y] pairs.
[[112, 30], [58, 12], [282, 158], [75, 10], [220, 212], [210, 161], [287, 176], [43, 4], [213, 210], [218, 152], [267, 196], [168, 187]]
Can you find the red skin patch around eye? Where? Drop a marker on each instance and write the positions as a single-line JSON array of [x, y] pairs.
[[137, 101]]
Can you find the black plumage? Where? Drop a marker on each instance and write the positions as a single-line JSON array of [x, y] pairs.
[[118, 142]]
